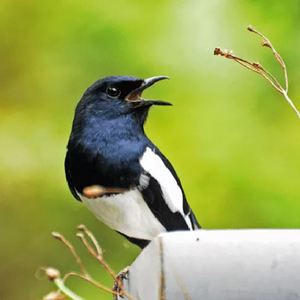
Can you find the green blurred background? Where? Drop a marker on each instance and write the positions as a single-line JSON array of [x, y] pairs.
[[233, 140]]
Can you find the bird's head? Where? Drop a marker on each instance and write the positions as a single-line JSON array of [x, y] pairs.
[[114, 96]]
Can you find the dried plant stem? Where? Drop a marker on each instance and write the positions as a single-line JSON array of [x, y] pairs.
[[97, 253], [98, 256], [291, 103], [90, 280], [92, 238], [259, 69], [71, 248], [61, 286], [97, 191], [266, 42]]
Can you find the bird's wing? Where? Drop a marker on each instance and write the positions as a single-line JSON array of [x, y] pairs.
[[163, 192], [69, 176]]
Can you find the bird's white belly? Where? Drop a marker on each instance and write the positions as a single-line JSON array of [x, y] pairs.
[[127, 213]]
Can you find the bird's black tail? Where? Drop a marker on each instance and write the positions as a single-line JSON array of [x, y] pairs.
[[195, 223]]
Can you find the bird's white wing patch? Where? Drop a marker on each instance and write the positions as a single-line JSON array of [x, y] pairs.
[[172, 193], [144, 181]]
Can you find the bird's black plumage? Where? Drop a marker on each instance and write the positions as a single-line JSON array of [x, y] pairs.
[[108, 148]]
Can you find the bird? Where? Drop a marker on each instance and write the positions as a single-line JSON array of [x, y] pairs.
[[115, 169]]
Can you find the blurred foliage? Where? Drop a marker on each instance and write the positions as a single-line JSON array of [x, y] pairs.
[[233, 140]]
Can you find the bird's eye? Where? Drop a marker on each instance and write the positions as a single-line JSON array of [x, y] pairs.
[[113, 92]]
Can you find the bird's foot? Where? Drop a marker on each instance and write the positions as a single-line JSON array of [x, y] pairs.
[[118, 284]]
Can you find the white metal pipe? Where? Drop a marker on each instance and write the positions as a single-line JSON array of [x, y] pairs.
[[218, 265]]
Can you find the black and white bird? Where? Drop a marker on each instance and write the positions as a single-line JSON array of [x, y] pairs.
[[116, 171]]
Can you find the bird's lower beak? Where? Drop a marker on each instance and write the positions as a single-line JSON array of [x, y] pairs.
[[134, 96]]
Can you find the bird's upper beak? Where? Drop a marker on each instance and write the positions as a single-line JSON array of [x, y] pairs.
[[134, 96]]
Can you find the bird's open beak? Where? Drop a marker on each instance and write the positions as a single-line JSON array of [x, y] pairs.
[[135, 98]]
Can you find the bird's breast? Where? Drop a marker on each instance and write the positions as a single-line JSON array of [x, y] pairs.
[[127, 213]]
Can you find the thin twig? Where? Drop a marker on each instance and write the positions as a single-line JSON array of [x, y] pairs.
[[266, 42], [98, 256], [97, 253], [92, 238], [54, 276], [97, 191], [247, 66], [55, 296], [291, 103], [71, 248], [61, 286], [99, 259], [90, 280], [259, 69]]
